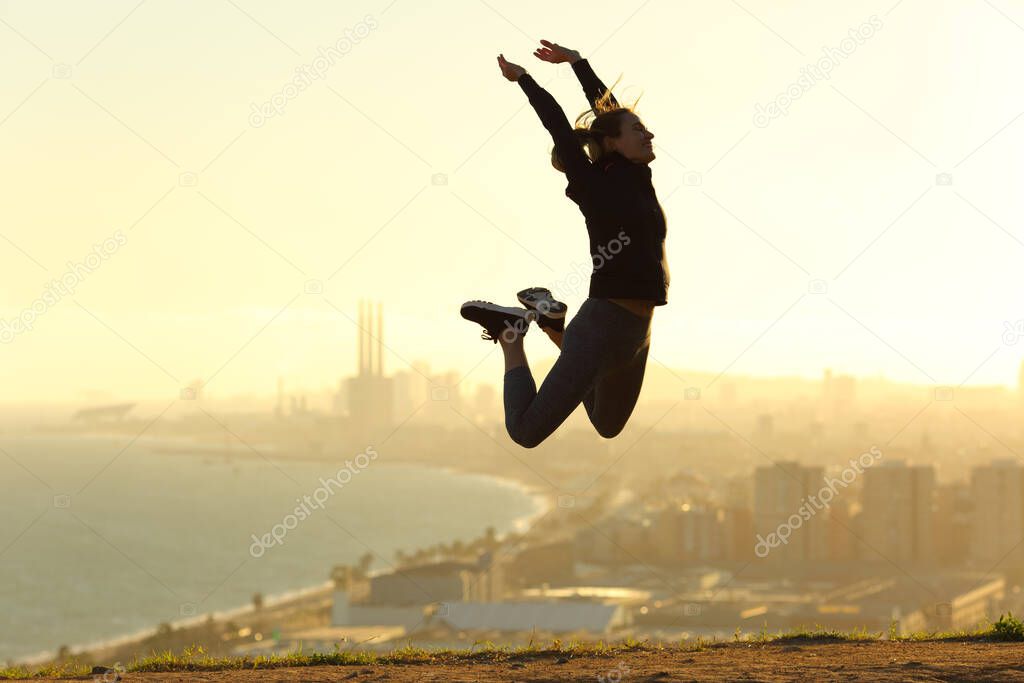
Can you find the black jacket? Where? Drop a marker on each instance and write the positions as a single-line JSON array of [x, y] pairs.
[[625, 221]]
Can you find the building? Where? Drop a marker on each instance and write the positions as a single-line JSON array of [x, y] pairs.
[[539, 563], [688, 534], [905, 604], [439, 582], [997, 521], [554, 616], [412, 389], [782, 507], [897, 516], [406, 597], [953, 522]]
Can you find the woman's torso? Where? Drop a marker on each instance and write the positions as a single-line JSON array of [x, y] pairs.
[[627, 230]]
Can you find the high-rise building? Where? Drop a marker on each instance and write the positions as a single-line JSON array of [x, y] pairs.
[[897, 515], [954, 517], [688, 534], [782, 507], [997, 521]]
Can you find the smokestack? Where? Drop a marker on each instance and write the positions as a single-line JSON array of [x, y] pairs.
[[368, 333], [380, 339]]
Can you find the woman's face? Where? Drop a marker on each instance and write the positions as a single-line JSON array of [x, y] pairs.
[[634, 141]]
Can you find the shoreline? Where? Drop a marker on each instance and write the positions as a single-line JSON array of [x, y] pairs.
[[276, 600], [542, 503]]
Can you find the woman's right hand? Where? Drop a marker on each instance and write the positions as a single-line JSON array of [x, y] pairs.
[[555, 53], [509, 70]]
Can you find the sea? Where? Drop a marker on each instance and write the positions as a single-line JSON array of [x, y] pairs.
[[101, 537]]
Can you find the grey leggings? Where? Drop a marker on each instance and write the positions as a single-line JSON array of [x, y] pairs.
[[601, 364]]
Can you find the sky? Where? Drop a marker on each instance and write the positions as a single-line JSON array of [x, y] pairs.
[[873, 227]]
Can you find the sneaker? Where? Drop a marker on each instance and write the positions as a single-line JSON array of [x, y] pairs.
[[550, 311], [498, 321]]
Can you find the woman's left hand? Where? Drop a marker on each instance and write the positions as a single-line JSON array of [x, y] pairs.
[[555, 53]]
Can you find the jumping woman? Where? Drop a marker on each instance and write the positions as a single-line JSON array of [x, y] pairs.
[[603, 350]]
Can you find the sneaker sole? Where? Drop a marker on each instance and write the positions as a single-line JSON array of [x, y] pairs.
[[536, 297], [493, 317]]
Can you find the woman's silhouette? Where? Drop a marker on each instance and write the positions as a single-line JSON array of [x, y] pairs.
[[604, 348]]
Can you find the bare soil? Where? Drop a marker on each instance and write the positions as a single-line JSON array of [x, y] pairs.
[[875, 661]]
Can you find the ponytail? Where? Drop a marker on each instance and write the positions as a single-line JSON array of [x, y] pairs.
[[602, 121], [585, 138]]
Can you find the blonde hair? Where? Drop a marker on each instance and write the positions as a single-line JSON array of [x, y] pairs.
[[593, 126]]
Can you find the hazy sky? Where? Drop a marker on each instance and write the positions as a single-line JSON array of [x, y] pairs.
[[133, 122]]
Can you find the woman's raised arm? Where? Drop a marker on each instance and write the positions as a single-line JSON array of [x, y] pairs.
[[570, 152], [592, 85]]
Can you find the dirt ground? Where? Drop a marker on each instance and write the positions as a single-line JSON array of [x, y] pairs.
[[877, 662]]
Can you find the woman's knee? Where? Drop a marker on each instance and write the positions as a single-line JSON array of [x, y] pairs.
[[524, 437], [610, 431], [526, 440], [609, 424]]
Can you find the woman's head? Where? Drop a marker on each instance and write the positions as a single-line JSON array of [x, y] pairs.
[[633, 140], [612, 127]]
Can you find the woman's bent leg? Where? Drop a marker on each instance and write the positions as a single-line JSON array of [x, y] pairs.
[[611, 401], [531, 415]]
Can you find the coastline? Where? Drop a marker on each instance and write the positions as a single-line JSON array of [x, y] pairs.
[[305, 596], [544, 500], [276, 601]]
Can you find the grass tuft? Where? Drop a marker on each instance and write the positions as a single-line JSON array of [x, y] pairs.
[[196, 659]]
